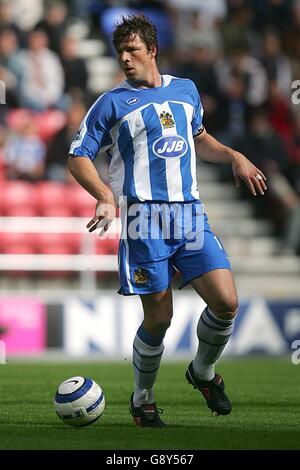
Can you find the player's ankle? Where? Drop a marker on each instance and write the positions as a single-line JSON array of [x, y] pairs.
[[205, 372], [143, 397]]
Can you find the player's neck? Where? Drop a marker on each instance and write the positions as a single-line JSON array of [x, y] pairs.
[[153, 80]]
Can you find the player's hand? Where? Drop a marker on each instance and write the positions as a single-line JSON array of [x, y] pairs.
[[105, 214], [244, 170]]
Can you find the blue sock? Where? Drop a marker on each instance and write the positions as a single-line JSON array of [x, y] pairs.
[[147, 353]]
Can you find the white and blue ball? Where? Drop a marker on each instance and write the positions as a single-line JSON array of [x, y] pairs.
[[79, 401]]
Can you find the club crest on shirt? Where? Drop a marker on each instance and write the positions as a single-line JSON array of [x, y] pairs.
[[140, 276], [167, 120]]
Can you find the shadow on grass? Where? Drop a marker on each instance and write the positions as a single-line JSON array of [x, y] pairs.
[[25, 402]]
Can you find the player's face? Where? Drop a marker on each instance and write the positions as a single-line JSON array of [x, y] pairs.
[[134, 58]]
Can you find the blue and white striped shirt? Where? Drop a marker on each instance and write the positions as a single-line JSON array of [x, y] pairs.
[[148, 134]]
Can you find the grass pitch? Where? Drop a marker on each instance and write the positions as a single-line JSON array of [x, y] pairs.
[[264, 393]]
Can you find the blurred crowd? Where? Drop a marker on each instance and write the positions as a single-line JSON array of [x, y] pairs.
[[243, 55]]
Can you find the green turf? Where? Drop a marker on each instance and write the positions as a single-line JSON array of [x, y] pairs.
[[264, 393]]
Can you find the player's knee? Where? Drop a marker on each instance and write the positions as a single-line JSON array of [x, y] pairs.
[[163, 321], [159, 320], [158, 327], [164, 324], [227, 309], [158, 311], [229, 315]]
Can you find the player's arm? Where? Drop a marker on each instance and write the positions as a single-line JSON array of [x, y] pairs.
[[85, 173], [211, 150]]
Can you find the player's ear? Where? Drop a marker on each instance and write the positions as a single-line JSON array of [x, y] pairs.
[[153, 51]]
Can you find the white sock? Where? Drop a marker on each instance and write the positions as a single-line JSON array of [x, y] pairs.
[[146, 362], [213, 335]]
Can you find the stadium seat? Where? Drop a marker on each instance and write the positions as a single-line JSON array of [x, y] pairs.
[[58, 243], [1, 241], [56, 249], [48, 123], [18, 198], [54, 244], [21, 211], [51, 195], [107, 246], [57, 211], [46, 242], [74, 242], [17, 117], [18, 249], [14, 242], [81, 202]]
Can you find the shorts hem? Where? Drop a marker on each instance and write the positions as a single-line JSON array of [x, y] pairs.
[[126, 292], [186, 283]]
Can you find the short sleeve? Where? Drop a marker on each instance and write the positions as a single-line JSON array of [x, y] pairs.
[[197, 125], [93, 134]]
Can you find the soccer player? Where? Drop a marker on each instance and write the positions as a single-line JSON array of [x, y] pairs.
[[151, 127]]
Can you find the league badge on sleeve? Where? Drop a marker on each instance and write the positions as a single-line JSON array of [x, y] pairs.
[[79, 134]]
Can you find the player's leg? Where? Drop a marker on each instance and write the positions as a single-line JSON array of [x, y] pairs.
[[158, 312], [215, 325], [146, 269], [148, 344], [205, 265], [214, 329], [147, 353]]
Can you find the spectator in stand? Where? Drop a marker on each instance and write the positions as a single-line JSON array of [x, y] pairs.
[[291, 31], [276, 63], [24, 152], [238, 28], [26, 13], [292, 236], [270, 12], [42, 82], [212, 12], [233, 111], [263, 145], [293, 148], [279, 110], [10, 69], [232, 115], [199, 67], [239, 61], [192, 30], [54, 24], [2, 141], [75, 70], [59, 146], [81, 8], [7, 19]]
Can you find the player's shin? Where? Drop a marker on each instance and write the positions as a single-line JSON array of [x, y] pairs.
[[147, 353], [213, 334]]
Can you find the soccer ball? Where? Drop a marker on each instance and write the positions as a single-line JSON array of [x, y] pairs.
[[79, 401]]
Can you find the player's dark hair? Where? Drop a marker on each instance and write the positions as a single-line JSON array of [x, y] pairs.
[[135, 24]]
